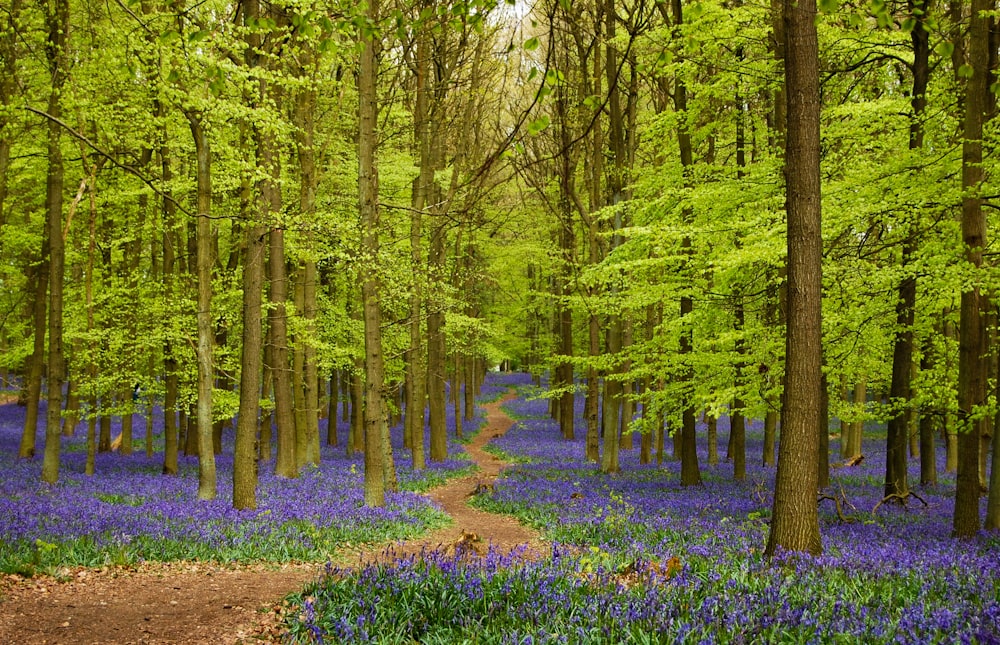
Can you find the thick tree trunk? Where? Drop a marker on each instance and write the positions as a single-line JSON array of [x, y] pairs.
[[795, 519], [247, 450], [971, 373]]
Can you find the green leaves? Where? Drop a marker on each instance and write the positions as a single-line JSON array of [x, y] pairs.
[[531, 44], [944, 49], [538, 125]]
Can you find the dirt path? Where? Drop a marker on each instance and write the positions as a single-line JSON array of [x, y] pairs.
[[195, 603]]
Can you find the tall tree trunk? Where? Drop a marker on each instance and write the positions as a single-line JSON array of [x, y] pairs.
[[370, 291], [436, 351], [36, 363], [902, 351], [169, 360], [298, 372], [613, 387], [992, 522], [308, 181], [331, 415], [416, 366], [286, 464], [690, 472], [928, 449], [206, 453], [971, 376], [795, 518], [245, 450], [57, 23]]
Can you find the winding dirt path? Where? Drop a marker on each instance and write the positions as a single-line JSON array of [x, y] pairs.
[[196, 603]]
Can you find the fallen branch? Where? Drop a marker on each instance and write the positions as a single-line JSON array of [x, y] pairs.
[[840, 511], [901, 497]]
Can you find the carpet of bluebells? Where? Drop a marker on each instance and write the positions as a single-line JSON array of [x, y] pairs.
[[129, 512], [636, 558]]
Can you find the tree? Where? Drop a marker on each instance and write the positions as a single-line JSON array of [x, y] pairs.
[[206, 454], [370, 291], [57, 55], [971, 373], [794, 518]]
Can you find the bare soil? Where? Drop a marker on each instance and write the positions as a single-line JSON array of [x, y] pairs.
[[202, 603]]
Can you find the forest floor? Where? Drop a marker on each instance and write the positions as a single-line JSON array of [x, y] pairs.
[[198, 602]]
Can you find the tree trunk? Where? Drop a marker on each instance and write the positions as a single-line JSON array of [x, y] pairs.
[[57, 23], [992, 522], [370, 291], [971, 376], [436, 352], [286, 464], [331, 415], [795, 519], [928, 449], [712, 432], [308, 181], [40, 278], [298, 373], [690, 472], [206, 453], [246, 450]]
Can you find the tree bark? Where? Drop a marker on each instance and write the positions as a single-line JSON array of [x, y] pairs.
[[33, 389], [795, 519], [436, 352], [57, 23], [206, 453], [971, 375], [286, 464], [246, 448], [370, 289]]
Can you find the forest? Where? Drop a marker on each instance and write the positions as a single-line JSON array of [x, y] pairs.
[[253, 250]]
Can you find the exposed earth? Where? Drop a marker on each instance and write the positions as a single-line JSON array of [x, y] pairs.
[[201, 603]]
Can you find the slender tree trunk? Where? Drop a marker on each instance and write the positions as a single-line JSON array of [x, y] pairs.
[[169, 361], [456, 390], [416, 375], [795, 518], [298, 373], [928, 449], [712, 432], [992, 522], [902, 353], [370, 291], [58, 25], [436, 353], [331, 415], [690, 472], [206, 453], [40, 278], [971, 375], [286, 463]]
